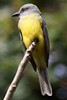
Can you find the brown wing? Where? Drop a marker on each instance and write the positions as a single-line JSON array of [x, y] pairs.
[[46, 39]]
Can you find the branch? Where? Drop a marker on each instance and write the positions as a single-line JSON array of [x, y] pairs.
[[19, 72]]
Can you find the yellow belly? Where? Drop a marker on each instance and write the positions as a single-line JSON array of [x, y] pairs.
[[31, 28]]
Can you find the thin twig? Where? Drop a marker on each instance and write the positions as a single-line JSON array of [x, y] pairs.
[[19, 72]]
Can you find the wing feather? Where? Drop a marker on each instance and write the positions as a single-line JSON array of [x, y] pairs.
[[46, 39]]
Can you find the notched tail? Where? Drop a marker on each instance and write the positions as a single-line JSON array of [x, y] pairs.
[[44, 82]]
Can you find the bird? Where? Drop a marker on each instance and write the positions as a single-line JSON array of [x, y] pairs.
[[32, 27]]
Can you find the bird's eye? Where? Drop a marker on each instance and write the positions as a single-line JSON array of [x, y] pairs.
[[26, 8], [22, 10]]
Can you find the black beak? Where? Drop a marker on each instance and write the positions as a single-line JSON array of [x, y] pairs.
[[16, 14]]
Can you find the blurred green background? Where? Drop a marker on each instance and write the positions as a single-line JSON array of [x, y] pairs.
[[55, 15]]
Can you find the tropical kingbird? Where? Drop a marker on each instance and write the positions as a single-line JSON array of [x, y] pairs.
[[33, 27]]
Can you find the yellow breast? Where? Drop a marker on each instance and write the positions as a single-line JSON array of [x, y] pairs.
[[31, 28]]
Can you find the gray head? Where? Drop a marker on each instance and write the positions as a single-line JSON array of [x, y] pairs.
[[27, 9]]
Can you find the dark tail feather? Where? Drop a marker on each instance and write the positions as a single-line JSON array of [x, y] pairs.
[[44, 82]]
